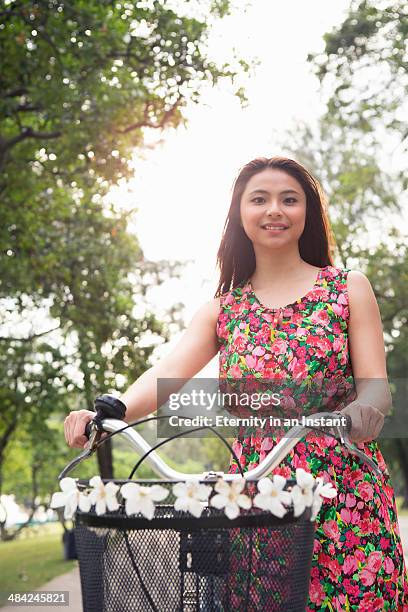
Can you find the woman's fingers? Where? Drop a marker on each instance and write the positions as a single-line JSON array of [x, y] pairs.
[[74, 427], [356, 433], [367, 422]]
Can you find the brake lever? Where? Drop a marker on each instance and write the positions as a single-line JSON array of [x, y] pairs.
[[342, 434], [356, 451], [94, 437]]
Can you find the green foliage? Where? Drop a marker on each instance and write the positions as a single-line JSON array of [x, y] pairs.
[[366, 55], [80, 83]]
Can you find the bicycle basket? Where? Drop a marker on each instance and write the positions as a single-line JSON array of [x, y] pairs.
[[175, 562]]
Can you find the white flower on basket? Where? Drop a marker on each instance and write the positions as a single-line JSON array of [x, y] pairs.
[[322, 490], [230, 497], [302, 492], [141, 499], [70, 497], [190, 496], [272, 496], [103, 495]]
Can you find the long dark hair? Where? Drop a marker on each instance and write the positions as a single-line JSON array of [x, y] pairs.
[[236, 256]]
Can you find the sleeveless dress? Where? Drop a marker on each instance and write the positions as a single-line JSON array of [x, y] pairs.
[[358, 561]]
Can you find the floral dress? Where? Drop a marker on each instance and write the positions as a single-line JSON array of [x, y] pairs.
[[358, 561]]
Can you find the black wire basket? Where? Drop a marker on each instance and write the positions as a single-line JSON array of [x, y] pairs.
[[176, 562]]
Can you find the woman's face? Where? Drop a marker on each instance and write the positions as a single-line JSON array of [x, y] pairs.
[[273, 198]]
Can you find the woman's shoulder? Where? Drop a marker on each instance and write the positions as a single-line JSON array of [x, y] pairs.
[[358, 285], [352, 283]]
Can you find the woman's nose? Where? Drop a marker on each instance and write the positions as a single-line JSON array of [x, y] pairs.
[[274, 208]]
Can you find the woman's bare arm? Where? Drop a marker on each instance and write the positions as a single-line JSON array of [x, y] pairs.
[[367, 343], [195, 349], [367, 353]]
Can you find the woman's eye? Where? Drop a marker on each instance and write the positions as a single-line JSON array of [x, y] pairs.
[[293, 200], [257, 200]]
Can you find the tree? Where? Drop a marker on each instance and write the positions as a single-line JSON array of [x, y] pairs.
[[363, 68], [80, 83]]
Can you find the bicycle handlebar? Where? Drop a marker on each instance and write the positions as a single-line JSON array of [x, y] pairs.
[[270, 462]]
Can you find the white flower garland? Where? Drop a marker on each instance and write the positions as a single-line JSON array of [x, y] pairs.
[[192, 496]]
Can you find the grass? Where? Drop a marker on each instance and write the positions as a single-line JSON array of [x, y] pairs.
[[32, 560]]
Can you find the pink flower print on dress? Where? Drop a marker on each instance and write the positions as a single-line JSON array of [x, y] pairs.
[[375, 561], [375, 526], [236, 309], [331, 564], [349, 564], [235, 371], [222, 330], [297, 319], [338, 310], [253, 320], [266, 444], [372, 603], [365, 509], [351, 589], [239, 343], [331, 529], [228, 300], [301, 332], [251, 361], [365, 491], [338, 344], [350, 500], [349, 516], [385, 543], [367, 577], [320, 317], [319, 294], [323, 346], [316, 593], [298, 369], [279, 347]]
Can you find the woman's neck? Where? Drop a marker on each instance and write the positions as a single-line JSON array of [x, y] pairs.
[[271, 269]]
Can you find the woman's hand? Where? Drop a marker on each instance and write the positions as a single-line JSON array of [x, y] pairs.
[[367, 421], [74, 427]]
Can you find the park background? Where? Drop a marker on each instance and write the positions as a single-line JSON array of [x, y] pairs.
[[122, 128]]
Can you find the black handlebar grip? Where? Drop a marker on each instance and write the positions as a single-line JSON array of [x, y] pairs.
[[88, 429], [106, 407]]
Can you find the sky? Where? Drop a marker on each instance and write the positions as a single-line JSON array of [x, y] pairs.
[[183, 178]]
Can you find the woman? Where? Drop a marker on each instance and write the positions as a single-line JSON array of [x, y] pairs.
[[282, 309]]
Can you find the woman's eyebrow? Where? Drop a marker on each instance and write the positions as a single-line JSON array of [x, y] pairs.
[[267, 192]]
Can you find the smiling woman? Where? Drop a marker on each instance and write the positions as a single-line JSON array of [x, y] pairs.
[[271, 209], [277, 245]]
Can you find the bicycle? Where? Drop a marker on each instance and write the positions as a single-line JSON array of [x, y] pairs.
[[176, 562]]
